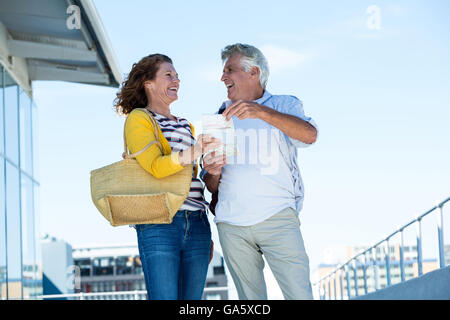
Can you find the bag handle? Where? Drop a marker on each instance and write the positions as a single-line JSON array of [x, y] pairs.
[[126, 154]]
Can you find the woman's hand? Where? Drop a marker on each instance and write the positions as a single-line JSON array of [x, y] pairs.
[[204, 144]]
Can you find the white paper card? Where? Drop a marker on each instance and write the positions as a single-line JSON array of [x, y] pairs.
[[218, 127]]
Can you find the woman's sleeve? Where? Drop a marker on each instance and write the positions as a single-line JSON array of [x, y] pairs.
[[139, 133]]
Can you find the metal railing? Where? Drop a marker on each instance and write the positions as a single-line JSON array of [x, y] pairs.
[[327, 286], [118, 295]]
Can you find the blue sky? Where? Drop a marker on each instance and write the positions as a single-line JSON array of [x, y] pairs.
[[381, 100]]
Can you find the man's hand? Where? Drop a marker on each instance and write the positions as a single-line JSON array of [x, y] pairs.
[[213, 163], [245, 110]]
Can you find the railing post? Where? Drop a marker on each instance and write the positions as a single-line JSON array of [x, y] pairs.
[[341, 284], [376, 278], [349, 292], [322, 291], [355, 276], [388, 264], [365, 273], [329, 287], [334, 285], [419, 247], [441, 236], [402, 257], [319, 286]]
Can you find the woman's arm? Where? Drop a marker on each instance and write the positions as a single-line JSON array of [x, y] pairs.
[[139, 133]]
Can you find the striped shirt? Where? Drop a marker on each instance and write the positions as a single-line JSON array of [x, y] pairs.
[[179, 135]]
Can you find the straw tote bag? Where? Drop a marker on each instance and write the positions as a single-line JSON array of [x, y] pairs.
[[125, 193]]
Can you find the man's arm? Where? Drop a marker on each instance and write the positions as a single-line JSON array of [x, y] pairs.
[[213, 163], [292, 126], [212, 182]]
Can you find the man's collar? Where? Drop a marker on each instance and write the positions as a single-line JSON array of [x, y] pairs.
[[266, 96]]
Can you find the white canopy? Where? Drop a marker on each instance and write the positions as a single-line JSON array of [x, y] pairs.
[[60, 40]]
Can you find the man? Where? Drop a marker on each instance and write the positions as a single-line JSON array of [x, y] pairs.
[[260, 190]]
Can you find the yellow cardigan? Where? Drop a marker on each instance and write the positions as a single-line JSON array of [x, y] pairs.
[[139, 132]]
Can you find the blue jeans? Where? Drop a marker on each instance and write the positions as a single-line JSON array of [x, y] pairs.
[[175, 257]]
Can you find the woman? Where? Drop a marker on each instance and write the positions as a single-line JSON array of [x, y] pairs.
[[174, 256]]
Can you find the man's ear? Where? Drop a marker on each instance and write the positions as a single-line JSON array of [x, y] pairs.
[[254, 71]]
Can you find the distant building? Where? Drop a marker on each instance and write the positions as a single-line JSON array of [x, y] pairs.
[[374, 267], [115, 268], [216, 277], [57, 267], [339, 254], [447, 255], [109, 268]]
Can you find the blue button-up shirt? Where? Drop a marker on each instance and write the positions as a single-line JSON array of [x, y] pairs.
[[263, 178]]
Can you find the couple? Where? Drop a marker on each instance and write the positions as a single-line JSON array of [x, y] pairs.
[[256, 213]]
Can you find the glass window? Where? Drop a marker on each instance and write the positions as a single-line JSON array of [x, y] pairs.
[[35, 133], [85, 267], [13, 237], [26, 148], [219, 270], [2, 124], [124, 265], [2, 231], [212, 296], [37, 247], [11, 122], [19, 225], [212, 284], [103, 266], [137, 266], [28, 236], [2, 198]]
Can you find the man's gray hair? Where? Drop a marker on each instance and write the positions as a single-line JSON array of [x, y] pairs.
[[251, 57]]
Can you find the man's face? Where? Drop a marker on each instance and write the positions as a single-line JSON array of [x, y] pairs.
[[239, 83]]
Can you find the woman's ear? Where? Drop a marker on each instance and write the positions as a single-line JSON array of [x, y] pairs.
[[148, 85]]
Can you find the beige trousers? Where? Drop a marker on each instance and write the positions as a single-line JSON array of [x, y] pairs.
[[280, 241]]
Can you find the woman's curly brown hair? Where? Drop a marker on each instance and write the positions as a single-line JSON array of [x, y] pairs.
[[132, 94]]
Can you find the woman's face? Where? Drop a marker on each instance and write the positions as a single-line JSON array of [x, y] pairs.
[[164, 87]]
